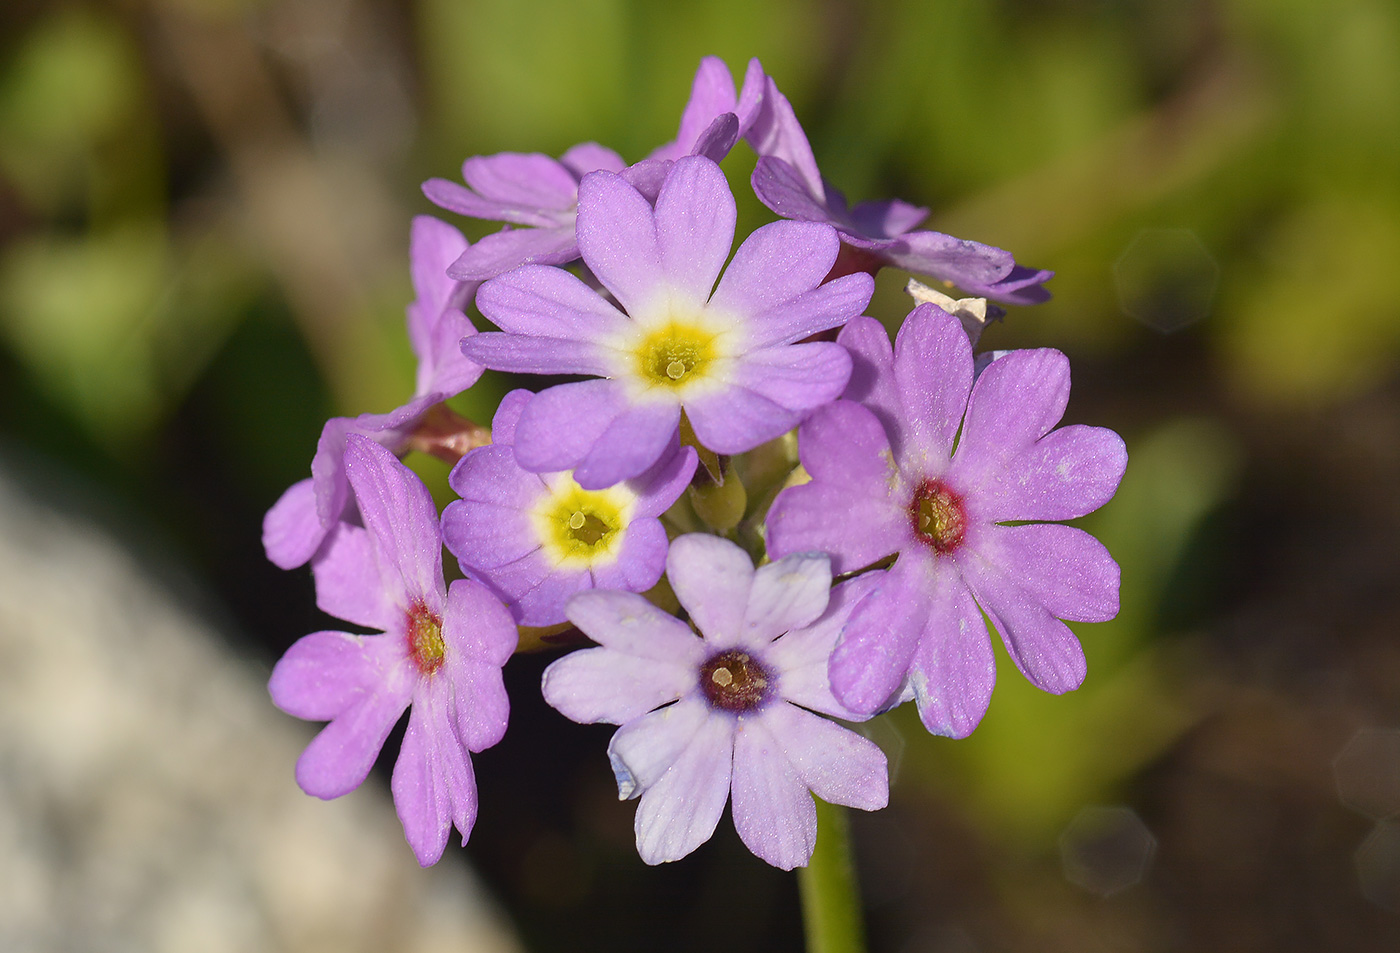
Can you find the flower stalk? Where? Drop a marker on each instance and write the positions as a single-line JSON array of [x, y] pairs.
[[831, 910]]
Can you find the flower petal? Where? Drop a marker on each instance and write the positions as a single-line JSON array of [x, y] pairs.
[[490, 475], [827, 306], [953, 671], [789, 593], [933, 372], [796, 376], [292, 530], [548, 303], [349, 582], [887, 218], [560, 425], [433, 783], [593, 685], [1064, 568], [850, 509], [711, 95], [479, 636], [456, 197], [523, 179], [773, 809], [836, 764], [681, 806], [781, 187], [873, 656], [872, 382], [589, 157], [443, 369], [617, 237], [712, 578], [801, 656], [965, 263], [779, 262], [1067, 473], [400, 515], [529, 354], [627, 623], [323, 674], [664, 483], [776, 132], [1043, 647], [735, 419], [339, 758], [640, 561], [1014, 403], [1020, 285], [496, 254], [631, 444], [695, 215]]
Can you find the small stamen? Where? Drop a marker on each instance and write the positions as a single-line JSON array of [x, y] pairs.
[[675, 370], [576, 521], [722, 677]]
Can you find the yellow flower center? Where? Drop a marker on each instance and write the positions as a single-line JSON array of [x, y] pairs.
[[675, 354], [425, 638], [581, 528]]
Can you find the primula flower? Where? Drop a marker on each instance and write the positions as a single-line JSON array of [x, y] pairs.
[[538, 538], [738, 701], [888, 480], [309, 510], [441, 652], [786, 179], [729, 360]]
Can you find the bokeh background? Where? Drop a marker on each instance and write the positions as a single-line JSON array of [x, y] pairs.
[[204, 210]]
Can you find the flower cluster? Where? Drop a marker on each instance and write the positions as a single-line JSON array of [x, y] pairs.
[[926, 496]]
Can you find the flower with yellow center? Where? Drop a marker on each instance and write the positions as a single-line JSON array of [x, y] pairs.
[[723, 349], [539, 538]]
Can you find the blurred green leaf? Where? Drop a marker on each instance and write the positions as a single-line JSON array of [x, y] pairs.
[[75, 80]]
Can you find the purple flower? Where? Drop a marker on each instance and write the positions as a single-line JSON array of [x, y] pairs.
[[728, 359], [712, 97], [441, 652], [538, 538], [965, 522], [744, 693], [536, 194], [786, 179], [309, 510]]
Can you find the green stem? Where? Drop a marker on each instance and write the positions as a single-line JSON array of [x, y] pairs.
[[831, 912]]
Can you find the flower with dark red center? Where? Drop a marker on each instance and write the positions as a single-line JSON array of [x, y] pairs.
[[440, 651], [727, 709], [965, 523]]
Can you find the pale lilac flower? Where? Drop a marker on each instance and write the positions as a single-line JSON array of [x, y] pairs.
[[309, 510], [728, 710], [535, 194], [966, 523], [536, 539], [729, 360], [786, 179], [441, 652]]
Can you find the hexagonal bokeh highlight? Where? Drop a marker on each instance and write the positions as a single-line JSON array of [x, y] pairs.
[[1166, 278], [1106, 850], [1367, 771], [1378, 866]]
